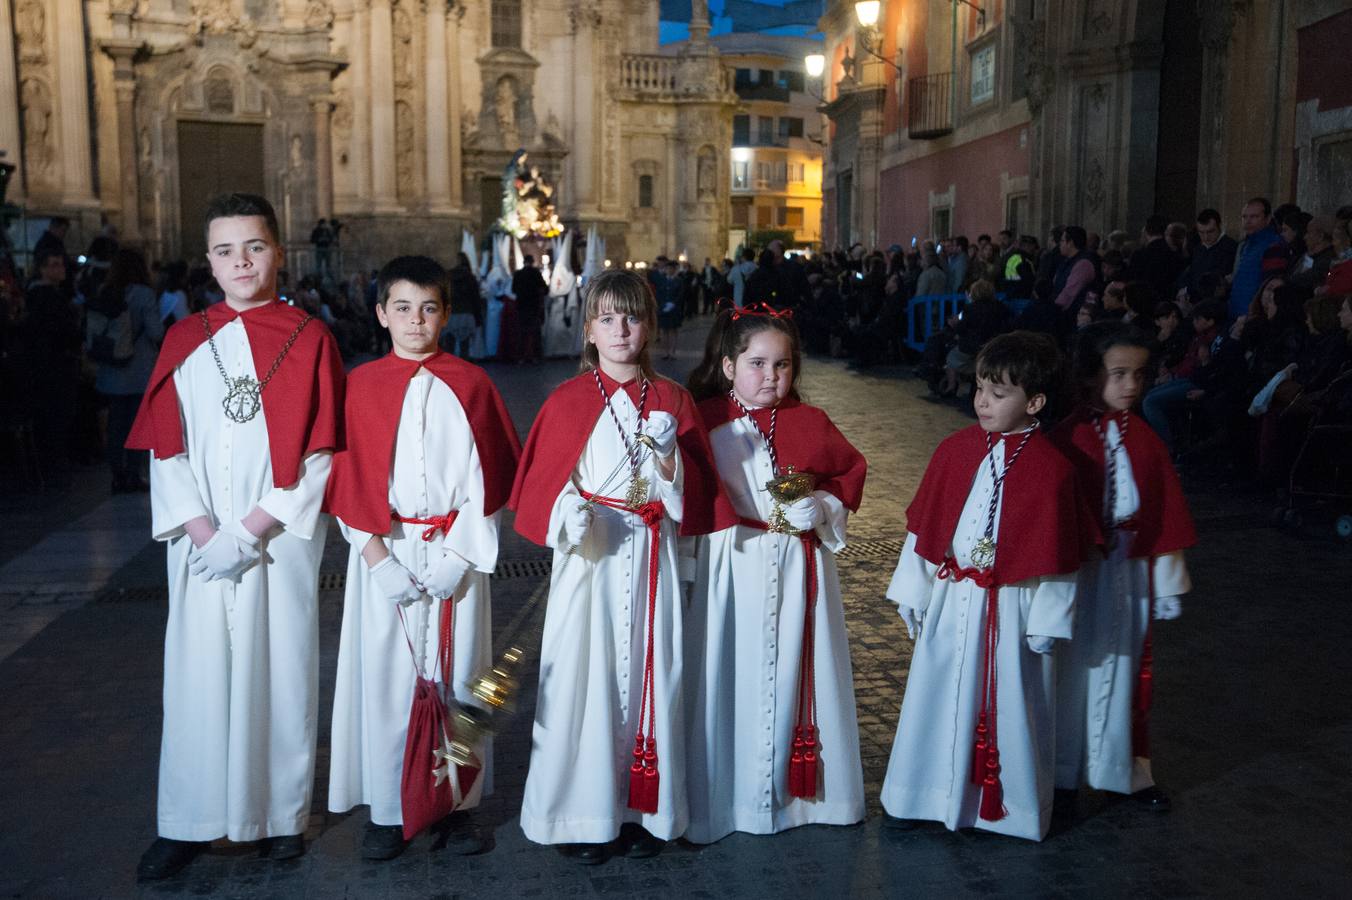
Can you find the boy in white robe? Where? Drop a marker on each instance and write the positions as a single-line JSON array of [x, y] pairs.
[[428, 464], [242, 413], [985, 586]]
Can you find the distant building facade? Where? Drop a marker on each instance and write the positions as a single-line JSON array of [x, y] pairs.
[[777, 137], [1025, 114], [396, 116]]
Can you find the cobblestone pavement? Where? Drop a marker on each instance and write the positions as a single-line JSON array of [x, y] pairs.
[[1253, 733]]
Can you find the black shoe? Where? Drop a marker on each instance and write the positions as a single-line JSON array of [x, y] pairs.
[[1153, 799], [586, 854], [288, 846], [166, 857], [892, 823], [637, 842], [462, 835], [382, 841]]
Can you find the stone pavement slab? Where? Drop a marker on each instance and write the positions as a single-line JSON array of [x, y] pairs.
[[1253, 736]]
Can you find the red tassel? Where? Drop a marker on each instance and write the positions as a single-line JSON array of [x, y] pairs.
[[809, 780], [650, 779], [992, 792], [796, 764], [979, 756], [636, 776]]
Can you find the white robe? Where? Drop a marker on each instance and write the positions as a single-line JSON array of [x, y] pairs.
[[435, 469], [929, 773], [563, 323], [592, 656], [1096, 673], [241, 677], [744, 638]]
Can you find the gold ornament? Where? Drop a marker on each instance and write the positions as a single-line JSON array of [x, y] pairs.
[[983, 553], [786, 489]]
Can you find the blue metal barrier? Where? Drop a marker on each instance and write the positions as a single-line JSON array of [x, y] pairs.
[[927, 315]]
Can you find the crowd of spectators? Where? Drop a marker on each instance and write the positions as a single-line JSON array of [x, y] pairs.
[[1252, 334]]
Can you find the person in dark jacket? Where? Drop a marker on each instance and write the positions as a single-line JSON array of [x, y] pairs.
[[1156, 263], [1213, 253]]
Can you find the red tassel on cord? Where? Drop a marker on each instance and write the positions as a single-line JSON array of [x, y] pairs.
[[992, 791], [650, 778], [636, 775], [809, 780], [796, 764], [979, 755]]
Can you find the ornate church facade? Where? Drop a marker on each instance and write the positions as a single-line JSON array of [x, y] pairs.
[[395, 116]]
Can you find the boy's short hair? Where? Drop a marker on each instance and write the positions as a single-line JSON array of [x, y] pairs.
[[225, 206], [422, 271], [1025, 359]]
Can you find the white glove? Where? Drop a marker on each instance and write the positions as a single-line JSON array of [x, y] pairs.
[[661, 427], [394, 582], [1168, 608], [804, 514], [226, 556], [442, 578], [911, 619], [1040, 643], [575, 524]]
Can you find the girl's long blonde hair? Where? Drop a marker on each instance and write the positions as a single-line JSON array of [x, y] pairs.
[[626, 293]]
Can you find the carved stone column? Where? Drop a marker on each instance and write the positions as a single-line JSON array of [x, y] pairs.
[[129, 176], [454, 160], [73, 90], [438, 131], [585, 67], [323, 107], [384, 177], [359, 144], [10, 140]]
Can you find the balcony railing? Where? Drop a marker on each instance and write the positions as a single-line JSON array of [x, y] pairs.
[[929, 108], [648, 73]]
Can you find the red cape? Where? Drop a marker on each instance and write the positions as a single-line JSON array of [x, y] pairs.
[[1163, 521], [1046, 528], [358, 491], [302, 403], [805, 438], [560, 433]]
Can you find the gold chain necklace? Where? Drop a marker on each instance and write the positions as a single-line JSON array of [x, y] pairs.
[[244, 395]]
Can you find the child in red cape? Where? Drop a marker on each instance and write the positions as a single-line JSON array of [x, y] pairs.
[[986, 586], [430, 457], [1104, 676], [774, 740], [243, 412], [616, 466]]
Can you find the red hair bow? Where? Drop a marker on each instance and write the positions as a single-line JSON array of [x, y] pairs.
[[762, 309]]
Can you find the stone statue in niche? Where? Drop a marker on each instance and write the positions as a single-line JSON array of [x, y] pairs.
[[297, 152], [37, 125], [706, 175], [504, 107]]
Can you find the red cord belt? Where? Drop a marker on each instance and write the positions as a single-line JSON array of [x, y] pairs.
[[435, 524], [643, 775], [803, 756], [986, 758]]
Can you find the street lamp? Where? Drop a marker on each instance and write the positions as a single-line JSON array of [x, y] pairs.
[[867, 12], [815, 63]]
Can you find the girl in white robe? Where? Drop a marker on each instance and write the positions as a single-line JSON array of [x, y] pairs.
[[603, 615], [744, 635]]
